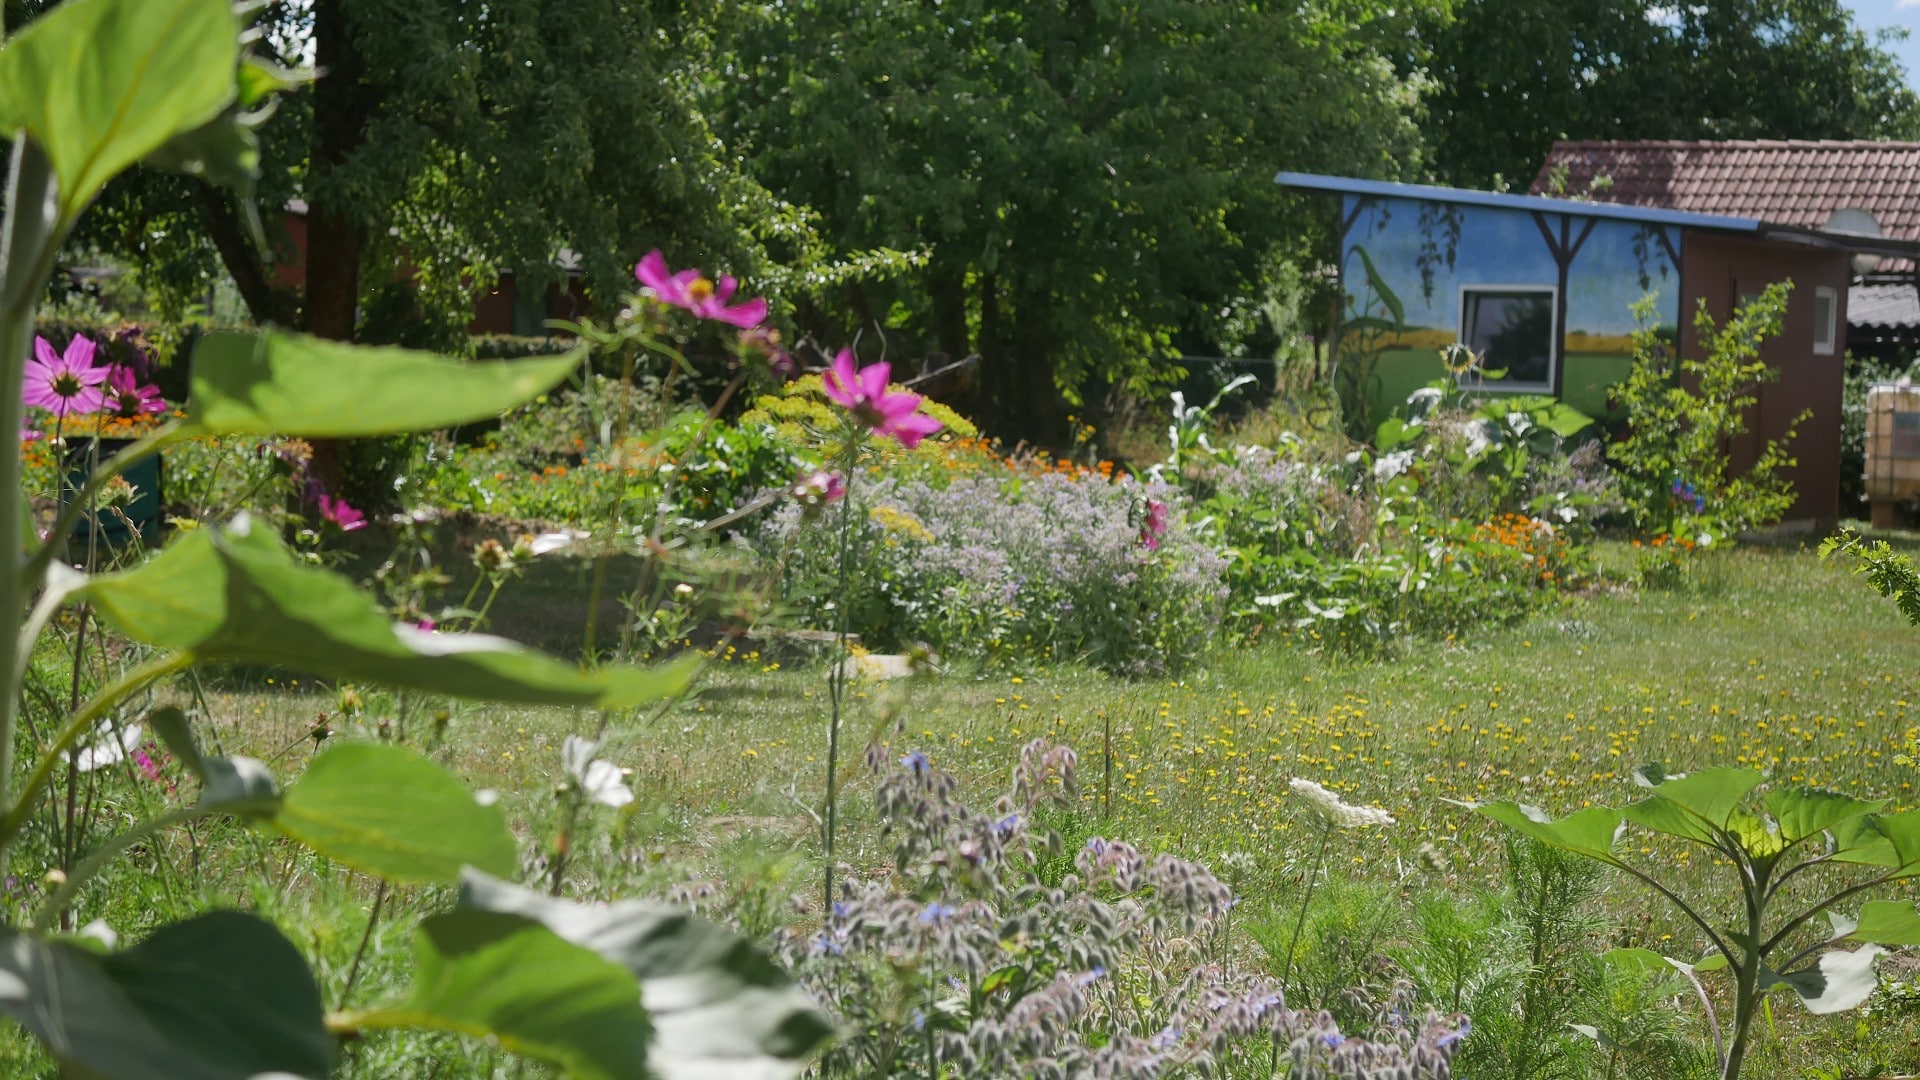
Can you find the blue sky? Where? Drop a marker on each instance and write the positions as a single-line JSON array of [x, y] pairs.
[[1873, 14]]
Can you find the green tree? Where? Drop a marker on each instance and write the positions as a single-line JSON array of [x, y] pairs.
[[448, 142], [1511, 76], [1093, 182]]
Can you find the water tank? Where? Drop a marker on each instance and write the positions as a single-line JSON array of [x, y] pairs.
[[1893, 442]]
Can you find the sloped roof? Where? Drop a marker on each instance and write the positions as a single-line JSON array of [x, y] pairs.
[[1790, 182], [1891, 307]]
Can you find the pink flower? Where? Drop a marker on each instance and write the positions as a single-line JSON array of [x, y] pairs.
[[28, 435], [689, 289], [1156, 525], [148, 767], [64, 384], [819, 489], [761, 345], [864, 393], [336, 511], [126, 396]]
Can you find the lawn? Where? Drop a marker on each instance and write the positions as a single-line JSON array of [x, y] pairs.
[[1766, 657]]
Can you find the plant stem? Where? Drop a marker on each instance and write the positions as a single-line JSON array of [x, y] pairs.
[[1300, 924], [837, 675], [88, 867], [76, 727], [29, 239], [359, 954]]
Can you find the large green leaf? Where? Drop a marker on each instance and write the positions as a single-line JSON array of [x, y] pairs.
[[1806, 811], [1888, 922], [276, 383], [101, 84], [1840, 981], [1694, 805], [393, 813], [222, 996], [720, 1007], [492, 975], [1588, 832], [1889, 840], [235, 593]]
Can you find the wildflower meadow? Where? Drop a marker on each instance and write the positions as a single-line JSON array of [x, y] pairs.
[[700, 684]]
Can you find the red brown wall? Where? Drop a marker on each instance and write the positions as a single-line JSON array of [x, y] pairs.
[[1722, 269]]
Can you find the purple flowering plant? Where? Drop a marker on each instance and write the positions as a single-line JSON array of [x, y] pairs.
[[989, 949]]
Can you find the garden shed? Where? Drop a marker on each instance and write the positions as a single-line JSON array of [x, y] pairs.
[[1545, 288]]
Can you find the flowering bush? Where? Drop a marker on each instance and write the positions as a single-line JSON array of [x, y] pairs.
[[1044, 567], [970, 958]]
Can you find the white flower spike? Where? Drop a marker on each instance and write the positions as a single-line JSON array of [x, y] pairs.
[[1335, 812]]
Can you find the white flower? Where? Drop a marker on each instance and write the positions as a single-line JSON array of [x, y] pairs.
[[1337, 813], [1477, 440], [1567, 513], [1519, 422], [549, 542], [1392, 465], [1423, 401], [601, 781], [103, 749]]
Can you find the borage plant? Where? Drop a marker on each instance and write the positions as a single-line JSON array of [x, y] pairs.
[[90, 89], [1795, 853]]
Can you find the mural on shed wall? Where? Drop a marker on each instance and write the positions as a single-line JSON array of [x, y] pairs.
[[1448, 263]]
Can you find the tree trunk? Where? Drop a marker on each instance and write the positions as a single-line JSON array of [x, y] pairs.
[[1036, 401], [266, 301], [335, 237], [335, 234]]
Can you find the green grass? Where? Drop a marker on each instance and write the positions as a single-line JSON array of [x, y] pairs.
[[1767, 657]]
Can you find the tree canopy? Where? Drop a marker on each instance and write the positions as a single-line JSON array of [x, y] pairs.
[[1511, 76], [1086, 188]]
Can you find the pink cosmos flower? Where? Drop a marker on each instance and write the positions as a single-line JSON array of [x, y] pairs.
[[127, 396], [65, 384], [689, 289], [345, 517], [28, 435], [864, 393]]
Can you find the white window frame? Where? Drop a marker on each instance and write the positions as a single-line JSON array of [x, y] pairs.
[[1826, 334], [1554, 345]]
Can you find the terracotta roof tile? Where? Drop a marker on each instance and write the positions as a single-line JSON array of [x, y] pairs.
[[1797, 183]]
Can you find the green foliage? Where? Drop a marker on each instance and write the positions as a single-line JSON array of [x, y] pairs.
[[391, 813], [510, 979], [1088, 179], [177, 59], [285, 384], [235, 593], [1511, 76], [222, 996], [1766, 843], [90, 88], [1891, 574], [1683, 417], [715, 1001]]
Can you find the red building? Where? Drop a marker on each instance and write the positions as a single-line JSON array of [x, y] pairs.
[[503, 309]]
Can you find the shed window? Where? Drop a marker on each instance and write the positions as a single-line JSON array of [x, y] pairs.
[[1511, 329], [1826, 320]]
